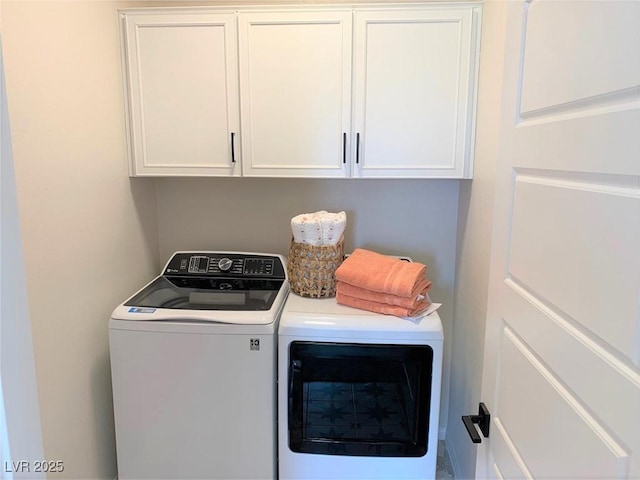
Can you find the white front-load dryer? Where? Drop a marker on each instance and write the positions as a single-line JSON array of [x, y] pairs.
[[358, 393], [193, 362]]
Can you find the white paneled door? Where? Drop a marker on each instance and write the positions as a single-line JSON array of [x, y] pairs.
[[561, 372]]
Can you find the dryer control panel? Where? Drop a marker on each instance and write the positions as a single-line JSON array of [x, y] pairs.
[[221, 264]]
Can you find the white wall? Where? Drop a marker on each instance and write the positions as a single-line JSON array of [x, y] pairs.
[[475, 220], [417, 218], [89, 233], [20, 435]]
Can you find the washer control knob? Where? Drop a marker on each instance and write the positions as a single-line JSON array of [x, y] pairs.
[[225, 264]]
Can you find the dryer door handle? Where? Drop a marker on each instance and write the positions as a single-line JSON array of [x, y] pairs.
[[295, 370], [295, 421]]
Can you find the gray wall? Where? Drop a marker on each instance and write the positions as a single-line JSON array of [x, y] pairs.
[[417, 218]]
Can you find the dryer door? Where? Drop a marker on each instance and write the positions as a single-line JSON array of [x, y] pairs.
[[359, 399]]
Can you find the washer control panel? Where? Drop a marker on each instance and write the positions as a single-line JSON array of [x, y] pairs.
[[213, 264]]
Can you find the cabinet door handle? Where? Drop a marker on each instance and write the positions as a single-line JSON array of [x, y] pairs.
[[357, 147], [233, 150], [344, 148]]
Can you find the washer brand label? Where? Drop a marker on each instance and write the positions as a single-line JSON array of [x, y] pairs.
[[254, 344], [141, 310]]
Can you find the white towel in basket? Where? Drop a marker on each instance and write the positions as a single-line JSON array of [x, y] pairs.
[[319, 228], [333, 226]]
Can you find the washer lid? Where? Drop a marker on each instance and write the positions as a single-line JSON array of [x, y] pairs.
[[324, 318], [249, 307], [134, 318], [207, 293], [212, 287]]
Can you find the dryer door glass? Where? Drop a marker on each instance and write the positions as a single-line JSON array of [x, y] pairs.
[[359, 399]]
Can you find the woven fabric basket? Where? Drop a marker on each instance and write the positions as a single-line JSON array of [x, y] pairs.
[[311, 269]]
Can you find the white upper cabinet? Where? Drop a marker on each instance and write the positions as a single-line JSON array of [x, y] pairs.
[[414, 92], [302, 91], [295, 87], [181, 72]]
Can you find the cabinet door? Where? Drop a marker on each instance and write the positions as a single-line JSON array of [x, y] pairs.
[[295, 81], [414, 92], [182, 79]]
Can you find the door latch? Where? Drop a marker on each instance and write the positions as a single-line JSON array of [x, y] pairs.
[[483, 419]]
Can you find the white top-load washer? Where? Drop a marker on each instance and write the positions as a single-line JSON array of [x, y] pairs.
[[358, 393], [193, 362]]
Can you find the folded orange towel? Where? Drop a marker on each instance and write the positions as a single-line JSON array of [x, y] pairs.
[[421, 288], [380, 273], [384, 308]]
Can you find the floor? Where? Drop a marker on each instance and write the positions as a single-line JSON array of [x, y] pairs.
[[444, 470]]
